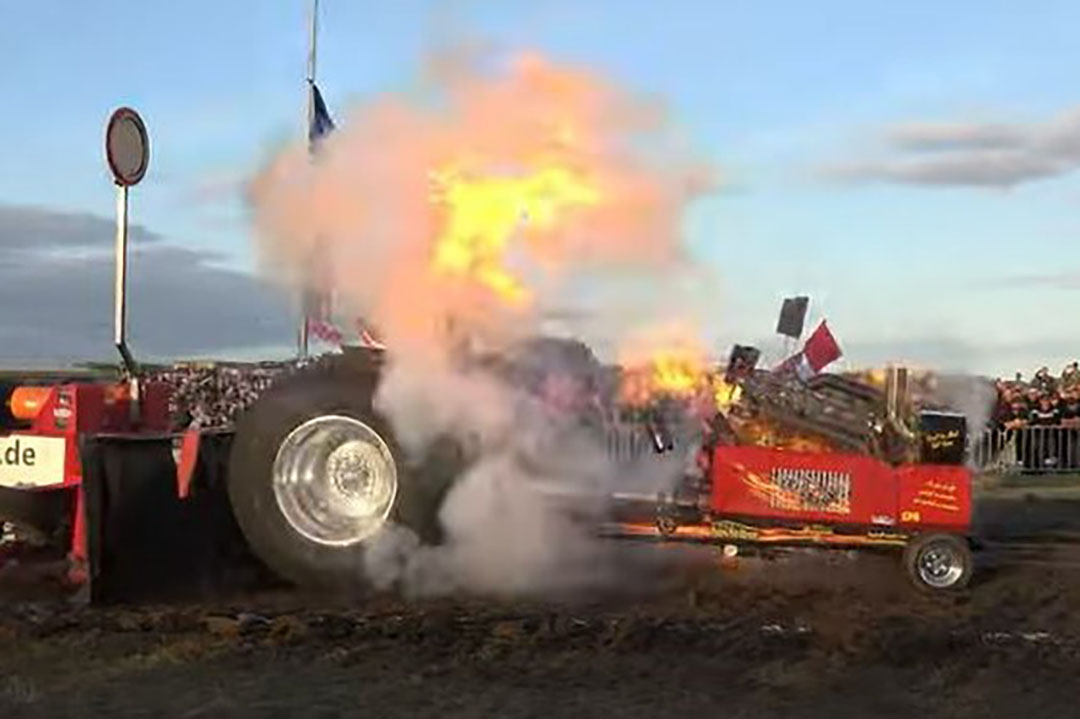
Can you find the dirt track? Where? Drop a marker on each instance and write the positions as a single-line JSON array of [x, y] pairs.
[[824, 635]]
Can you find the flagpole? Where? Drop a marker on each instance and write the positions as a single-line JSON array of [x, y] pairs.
[[313, 29], [313, 24]]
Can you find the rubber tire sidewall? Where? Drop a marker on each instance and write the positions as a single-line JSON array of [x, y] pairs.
[[260, 433], [919, 543]]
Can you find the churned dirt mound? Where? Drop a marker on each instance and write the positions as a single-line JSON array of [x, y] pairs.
[[807, 635]]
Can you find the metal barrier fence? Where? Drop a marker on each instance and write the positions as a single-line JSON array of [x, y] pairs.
[[1028, 450], [627, 443]]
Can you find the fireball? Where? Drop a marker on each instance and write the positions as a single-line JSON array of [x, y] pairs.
[[483, 216]]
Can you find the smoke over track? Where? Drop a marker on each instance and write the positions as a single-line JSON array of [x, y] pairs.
[[453, 223]]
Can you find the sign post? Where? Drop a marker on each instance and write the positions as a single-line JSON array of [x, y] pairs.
[[127, 152]]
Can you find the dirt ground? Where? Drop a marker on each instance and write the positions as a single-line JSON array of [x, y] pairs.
[[806, 636]]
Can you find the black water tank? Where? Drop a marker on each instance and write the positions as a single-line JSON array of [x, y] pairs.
[[942, 437]]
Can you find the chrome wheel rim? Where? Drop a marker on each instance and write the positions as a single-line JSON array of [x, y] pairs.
[[940, 566], [335, 480]]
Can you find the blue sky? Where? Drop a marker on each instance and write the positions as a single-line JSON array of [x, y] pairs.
[[793, 101]]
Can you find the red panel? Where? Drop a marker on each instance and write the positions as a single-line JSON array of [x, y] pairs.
[[189, 457], [155, 407], [803, 486], [79, 553], [935, 496], [73, 409]]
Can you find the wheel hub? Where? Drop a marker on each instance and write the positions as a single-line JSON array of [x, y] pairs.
[[335, 480], [939, 566]]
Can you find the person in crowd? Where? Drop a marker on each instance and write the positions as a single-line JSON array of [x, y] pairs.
[[1044, 442], [1001, 405], [1070, 376], [1070, 422], [1016, 415], [1043, 382], [1045, 413], [1070, 407]]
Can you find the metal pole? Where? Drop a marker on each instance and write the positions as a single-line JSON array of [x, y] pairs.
[[314, 26], [313, 30], [120, 285], [313, 23], [119, 290]]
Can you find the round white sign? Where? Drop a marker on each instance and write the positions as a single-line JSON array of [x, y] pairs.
[[127, 146]]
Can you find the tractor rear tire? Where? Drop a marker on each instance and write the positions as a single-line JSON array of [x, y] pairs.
[[939, 562], [268, 514]]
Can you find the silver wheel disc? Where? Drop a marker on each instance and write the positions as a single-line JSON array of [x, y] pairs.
[[940, 566], [335, 480]]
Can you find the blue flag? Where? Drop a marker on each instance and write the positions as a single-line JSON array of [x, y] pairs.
[[321, 123]]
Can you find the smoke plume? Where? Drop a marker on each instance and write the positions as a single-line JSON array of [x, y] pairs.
[[510, 189], [970, 395]]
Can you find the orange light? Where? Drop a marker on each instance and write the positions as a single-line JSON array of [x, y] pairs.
[[26, 402]]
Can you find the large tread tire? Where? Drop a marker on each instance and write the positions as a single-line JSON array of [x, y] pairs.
[[331, 388], [957, 547]]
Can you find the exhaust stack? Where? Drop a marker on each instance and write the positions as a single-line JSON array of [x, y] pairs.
[[898, 408], [897, 396]]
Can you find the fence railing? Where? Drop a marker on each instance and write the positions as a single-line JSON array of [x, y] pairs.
[[1028, 450]]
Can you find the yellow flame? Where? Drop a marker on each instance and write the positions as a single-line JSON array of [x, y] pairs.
[[484, 214], [725, 395], [676, 373], [679, 373]]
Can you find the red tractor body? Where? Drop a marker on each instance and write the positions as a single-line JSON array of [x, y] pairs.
[[853, 492]]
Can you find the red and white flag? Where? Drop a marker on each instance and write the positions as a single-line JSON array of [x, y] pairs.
[[318, 315], [819, 351], [324, 331]]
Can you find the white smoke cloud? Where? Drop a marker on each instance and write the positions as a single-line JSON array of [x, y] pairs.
[[511, 521]]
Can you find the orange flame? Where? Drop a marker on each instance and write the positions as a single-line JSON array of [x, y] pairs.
[[668, 363], [762, 433], [484, 215]]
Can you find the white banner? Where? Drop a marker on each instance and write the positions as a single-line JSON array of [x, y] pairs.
[[31, 461]]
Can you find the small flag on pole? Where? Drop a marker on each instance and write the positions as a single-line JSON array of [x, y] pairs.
[[819, 351], [321, 122], [792, 316], [317, 303], [318, 316], [821, 348]]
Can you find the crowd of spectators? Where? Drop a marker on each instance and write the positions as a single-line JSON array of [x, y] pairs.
[[213, 396], [1040, 419], [1044, 401]]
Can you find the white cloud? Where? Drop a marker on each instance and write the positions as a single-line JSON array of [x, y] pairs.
[[979, 154]]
